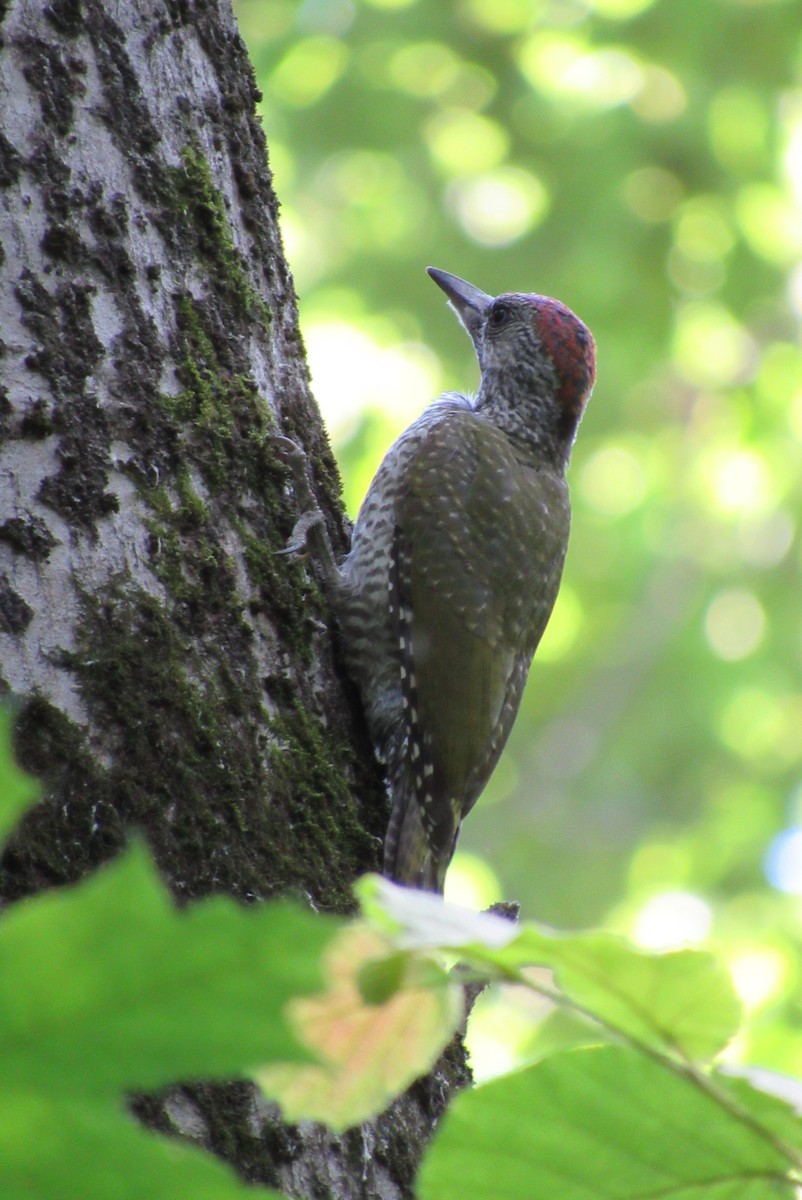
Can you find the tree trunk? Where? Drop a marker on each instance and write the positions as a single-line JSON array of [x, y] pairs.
[[173, 674]]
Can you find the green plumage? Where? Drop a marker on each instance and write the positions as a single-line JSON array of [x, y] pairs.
[[486, 536], [454, 569]]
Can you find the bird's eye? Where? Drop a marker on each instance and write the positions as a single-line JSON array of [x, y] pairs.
[[499, 316]]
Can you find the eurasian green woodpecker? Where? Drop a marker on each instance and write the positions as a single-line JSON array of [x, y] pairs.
[[455, 564]]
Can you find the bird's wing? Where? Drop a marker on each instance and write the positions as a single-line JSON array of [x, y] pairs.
[[478, 553]]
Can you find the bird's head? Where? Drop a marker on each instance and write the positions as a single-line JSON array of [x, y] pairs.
[[534, 353]]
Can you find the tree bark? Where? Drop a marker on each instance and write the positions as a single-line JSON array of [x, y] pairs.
[[173, 675]]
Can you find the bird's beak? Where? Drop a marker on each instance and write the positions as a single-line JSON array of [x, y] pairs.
[[468, 302]]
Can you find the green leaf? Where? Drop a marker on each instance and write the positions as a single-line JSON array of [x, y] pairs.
[[682, 1001], [107, 986], [76, 1149], [17, 790], [774, 1100], [380, 979], [606, 1122]]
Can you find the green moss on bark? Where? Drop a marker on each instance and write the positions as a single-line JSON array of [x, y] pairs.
[[220, 407], [230, 797], [202, 206]]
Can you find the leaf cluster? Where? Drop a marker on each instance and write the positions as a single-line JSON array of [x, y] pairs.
[[106, 987]]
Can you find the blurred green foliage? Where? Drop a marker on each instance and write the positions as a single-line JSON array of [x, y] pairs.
[[642, 160], [106, 988]]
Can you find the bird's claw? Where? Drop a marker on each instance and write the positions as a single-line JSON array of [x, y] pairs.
[[289, 451], [309, 538], [297, 542]]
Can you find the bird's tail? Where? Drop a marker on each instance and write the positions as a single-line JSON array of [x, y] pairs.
[[410, 858]]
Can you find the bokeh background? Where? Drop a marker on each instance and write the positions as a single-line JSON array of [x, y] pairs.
[[642, 161]]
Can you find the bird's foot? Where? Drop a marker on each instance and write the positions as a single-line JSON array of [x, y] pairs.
[[294, 459], [298, 541], [309, 537]]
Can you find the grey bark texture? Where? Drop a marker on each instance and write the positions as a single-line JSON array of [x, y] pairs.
[[171, 673]]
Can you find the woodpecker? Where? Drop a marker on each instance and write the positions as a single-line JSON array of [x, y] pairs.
[[455, 564]]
